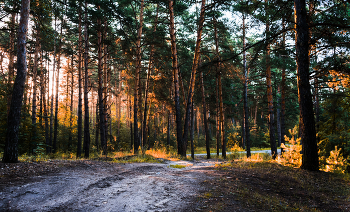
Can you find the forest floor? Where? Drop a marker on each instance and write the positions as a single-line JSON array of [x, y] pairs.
[[199, 185]]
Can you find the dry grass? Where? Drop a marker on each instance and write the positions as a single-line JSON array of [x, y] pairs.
[[163, 153]]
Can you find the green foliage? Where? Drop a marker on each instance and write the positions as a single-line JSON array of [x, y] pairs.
[[334, 127], [177, 166], [142, 158]]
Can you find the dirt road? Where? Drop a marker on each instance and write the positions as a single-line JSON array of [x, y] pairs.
[[102, 186]]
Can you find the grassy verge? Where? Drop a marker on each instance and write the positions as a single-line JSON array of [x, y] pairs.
[[268, 186]]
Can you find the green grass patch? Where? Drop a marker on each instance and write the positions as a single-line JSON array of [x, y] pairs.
[[177, 166], [143, 158]]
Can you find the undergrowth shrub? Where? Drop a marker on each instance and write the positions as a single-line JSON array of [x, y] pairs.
[[292, 152], [335, 162], [292, 156]]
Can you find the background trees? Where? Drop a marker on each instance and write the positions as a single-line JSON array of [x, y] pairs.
[[110, 49]]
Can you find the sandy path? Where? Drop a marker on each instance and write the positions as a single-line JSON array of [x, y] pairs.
[[116, 187]]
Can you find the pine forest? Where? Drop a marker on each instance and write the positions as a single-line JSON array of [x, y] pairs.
[[226, 80], [113, 75]]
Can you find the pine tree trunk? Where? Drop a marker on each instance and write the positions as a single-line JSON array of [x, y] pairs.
[[41, 77], [150, 66], [14, 117], [97, 126], [278, 120], [70, 142], [105, 85], [218, 128], [130, 123], [245, 96], [307, 125], [193, 78], [192, 130], [11, 71], [46, 121], [220, 137], [168, 130], [207, 136], [49, 106], [283, 93], [137, 81], [80, 100], [271, 120], [101, 107], [54, 145], [222, 124], [35, 71], [176, 78], [86, 145], [118, 106], [52, 91]]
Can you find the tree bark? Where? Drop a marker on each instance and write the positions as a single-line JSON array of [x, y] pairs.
[[176, 78], [80, 100], [130, 122], [245, 96], [137, 80], [207, 136], [70, 141], [193, 79], [150, 66], [97, 126], [218, 128], [14, 117], [118, 106], [271, 120], [11, 67], [35, 71], [192, 130], [168, 130], [278, 119], [283, 93], [222, 124], [307, 125], [41, 78], [86, 145], [48, 141], [105, 83], [101, 107], [46, 121], [54, 146]]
